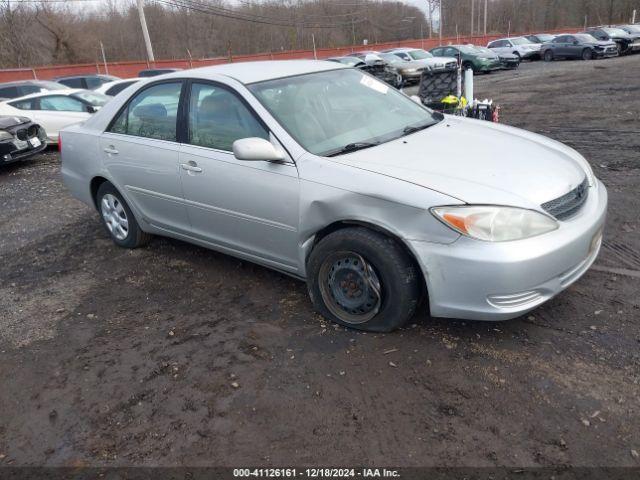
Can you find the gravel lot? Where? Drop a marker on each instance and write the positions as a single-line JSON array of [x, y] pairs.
[[176, 355]]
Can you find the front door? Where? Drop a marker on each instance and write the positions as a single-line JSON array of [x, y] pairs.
[[140, 152], [247, 207]]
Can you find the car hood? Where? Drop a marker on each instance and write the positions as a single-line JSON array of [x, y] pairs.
[[436, 61], [477, 162], [7, 121]]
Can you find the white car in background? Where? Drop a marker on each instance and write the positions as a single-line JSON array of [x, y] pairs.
[[55, 110], [111, 89], [520, 46], [419, 56]]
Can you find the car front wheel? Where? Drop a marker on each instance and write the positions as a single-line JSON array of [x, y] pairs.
[[587, 54], [118, 219], [363, 279], [548, 56]]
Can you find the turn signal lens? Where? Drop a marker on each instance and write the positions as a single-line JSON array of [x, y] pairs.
[[495, 223]]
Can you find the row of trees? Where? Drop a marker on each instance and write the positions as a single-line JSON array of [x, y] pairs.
[[36, 33]]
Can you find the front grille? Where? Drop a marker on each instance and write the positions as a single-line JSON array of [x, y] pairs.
[[451, 66], [568, 204]]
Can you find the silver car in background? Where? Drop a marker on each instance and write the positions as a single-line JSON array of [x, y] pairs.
[[329, 175], [520, 46]]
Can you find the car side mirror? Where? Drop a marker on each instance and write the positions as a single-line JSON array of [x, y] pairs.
[[91, 109], [575, 42], [256, 149]]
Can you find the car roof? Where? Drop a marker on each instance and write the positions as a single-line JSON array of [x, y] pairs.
[[87, 75], [252, 72], [26, 82], [66, 91]]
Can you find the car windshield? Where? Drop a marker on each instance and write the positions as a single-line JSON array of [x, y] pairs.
[[520, 41], [471, 49], [419, 54], [545, 37], [615, 31], [351, 61], [93, 98], [390, 57], [52, 85], [337, 111], [484, 50], [583, 37], [633, 28]]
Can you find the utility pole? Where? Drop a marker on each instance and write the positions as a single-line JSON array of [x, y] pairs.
[[145, 31], [104, 59], [610, 12], [440, 17], [485, 18]]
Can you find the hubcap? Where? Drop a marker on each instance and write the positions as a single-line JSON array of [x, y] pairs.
[[350, 287], [114, 216]]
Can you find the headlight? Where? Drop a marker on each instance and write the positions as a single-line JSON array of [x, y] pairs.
[[494, 223], [5, 136], [410, 70]]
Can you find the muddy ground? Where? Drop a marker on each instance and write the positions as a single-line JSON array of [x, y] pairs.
[[117, 357]]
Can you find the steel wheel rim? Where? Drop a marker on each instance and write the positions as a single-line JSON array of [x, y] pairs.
[[114, 216], [350, 287]]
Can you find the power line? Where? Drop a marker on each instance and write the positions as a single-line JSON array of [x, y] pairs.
[[254, 18]]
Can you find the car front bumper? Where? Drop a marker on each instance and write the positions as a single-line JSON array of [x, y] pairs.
[[15, 149], [530, 54], [476, 280]]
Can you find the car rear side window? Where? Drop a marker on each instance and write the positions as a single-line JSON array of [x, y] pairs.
[[217, 118], [95, 82], [22, 104], [61, 103], [9, 92], [116, 89], [72, 82], [152, 113]]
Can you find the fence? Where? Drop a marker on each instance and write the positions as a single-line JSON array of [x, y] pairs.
[[131, 69]]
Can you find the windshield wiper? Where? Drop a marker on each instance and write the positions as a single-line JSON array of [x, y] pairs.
[[351, 147], [415, 128]]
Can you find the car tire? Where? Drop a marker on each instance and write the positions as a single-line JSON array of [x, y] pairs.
[[362, 279], [468, 65], [548, 56], [118, 219], [587, 54]]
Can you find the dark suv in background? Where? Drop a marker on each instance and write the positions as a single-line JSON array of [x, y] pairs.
[[87, 82], [21, 88], [579, 45]]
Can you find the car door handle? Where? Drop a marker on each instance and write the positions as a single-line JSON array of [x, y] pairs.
[[191, 167], [111, 150]]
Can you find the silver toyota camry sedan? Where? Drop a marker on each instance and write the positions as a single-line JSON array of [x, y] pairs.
[[327, 174]]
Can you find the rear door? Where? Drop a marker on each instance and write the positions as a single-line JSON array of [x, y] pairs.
[[140, 153], [248, 207]]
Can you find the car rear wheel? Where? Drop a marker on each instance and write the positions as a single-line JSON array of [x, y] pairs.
[[118, 219], [587, 54], [548, 56], [363, 279]]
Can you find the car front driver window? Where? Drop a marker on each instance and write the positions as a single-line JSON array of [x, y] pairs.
[[217, 118]]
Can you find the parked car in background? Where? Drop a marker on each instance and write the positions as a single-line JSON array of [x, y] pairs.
[[471, 57], [329, 175], [520, 46], [55, 110], [348, 61], [20, 138], [626, 42], [374, 64], [630, 29], [578, 45], [434, 64], [21, 88], [86, 82], [153, 72], [410, 70], [540, 37], [111, 89]]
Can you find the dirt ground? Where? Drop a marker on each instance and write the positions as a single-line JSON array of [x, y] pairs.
[[176, 355]]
